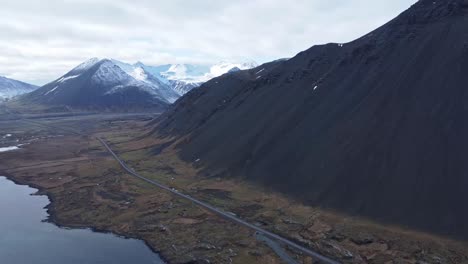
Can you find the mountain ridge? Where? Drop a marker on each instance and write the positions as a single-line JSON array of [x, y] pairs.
[[10, 88]]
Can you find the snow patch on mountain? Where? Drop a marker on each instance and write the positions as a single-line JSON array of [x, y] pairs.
[[64, 79], [51, 91], [139, 74]]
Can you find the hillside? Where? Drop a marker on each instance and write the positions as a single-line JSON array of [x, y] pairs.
[[377, 127], [10, 88]]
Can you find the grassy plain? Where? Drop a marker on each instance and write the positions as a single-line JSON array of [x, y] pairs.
[[87, 188]]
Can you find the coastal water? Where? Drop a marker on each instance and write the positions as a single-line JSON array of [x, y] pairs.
[[25, 238]]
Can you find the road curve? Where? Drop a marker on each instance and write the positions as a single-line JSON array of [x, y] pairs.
[[226, 215]]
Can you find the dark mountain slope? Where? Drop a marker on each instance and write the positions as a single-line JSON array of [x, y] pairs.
[[376, 127], [98, 85]]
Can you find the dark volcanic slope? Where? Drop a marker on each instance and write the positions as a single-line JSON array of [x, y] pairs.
[[377, 127], [98, 85]]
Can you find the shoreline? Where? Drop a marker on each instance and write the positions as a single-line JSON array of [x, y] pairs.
[[52, 217], [86, 190]]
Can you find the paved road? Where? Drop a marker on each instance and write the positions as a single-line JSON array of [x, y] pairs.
[[225, 215], [276, 248]]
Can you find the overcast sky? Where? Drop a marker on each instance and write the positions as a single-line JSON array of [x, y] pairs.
[[42, 39]]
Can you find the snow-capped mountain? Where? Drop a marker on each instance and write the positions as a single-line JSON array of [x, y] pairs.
[[201, 74], [109, 84], [139, 72], [98, 84], [10, 88], [182, 78]]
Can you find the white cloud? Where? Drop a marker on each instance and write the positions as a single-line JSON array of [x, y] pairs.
[[41, 40]]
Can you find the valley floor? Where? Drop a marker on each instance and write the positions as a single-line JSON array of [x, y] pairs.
[[89, 189]]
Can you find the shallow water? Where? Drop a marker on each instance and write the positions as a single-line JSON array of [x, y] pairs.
[[5, 149], [25, 238]]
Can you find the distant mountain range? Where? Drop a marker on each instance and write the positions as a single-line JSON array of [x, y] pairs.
[[10, 88], [377, 127], [183, 77], [105, 84]]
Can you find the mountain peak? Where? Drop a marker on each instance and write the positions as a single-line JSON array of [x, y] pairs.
[[86, 65], [139, 64], [235, 69]]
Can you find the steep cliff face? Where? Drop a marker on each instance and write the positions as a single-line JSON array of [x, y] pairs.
[[376, 127]]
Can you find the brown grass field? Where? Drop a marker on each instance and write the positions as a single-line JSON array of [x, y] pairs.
[[87, 188]]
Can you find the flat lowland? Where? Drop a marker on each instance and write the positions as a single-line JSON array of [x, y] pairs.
[[87, 188]]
